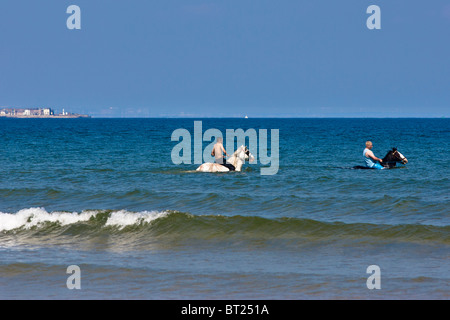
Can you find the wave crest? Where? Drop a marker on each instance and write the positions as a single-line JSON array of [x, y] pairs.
[[178, 226], [27, 219]]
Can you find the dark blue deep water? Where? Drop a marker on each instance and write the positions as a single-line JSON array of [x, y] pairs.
[[105, 195]]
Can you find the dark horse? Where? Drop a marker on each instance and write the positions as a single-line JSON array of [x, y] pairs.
[[390, 160]]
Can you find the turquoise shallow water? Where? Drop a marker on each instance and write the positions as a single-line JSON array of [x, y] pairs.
[[104, 194]]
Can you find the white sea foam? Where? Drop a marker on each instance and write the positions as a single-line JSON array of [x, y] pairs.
[[124, 218], [28, 218], [32, 217]]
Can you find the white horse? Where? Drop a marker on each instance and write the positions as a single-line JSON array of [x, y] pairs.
[[237, 160]]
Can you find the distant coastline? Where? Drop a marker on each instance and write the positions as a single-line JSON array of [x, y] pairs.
[[46, 113], [72, 116]]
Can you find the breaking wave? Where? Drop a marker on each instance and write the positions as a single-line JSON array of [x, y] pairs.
[[174, 225], [39, 218]]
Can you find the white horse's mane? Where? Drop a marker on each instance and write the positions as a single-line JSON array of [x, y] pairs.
[[235, 156]]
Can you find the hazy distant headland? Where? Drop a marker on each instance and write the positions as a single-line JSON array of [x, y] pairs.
[[37, 113]]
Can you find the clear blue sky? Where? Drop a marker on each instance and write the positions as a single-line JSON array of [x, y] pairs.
[[151, 58]]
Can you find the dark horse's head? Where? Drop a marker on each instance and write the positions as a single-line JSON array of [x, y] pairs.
[[392, 157]]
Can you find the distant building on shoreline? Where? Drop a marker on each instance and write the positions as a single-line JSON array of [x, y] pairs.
[[37, 113]]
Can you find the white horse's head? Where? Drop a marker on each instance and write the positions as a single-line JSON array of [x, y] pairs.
[[244, 153]]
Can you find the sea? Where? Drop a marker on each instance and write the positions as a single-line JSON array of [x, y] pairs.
[[97, 209]]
